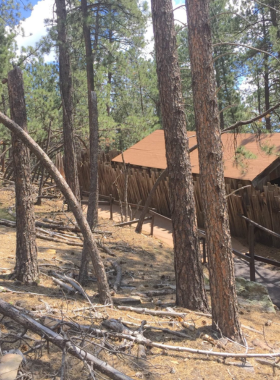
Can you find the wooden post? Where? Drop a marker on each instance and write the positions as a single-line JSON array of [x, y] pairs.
[[152, 225], [111, 200], [251, 239], [204, 251]]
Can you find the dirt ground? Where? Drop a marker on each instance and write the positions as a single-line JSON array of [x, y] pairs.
[[147, 265]]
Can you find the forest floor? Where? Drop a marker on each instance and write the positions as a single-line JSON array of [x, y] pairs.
[[147, 265]]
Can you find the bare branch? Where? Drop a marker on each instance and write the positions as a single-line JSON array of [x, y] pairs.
[[245, 46], [246, 122]]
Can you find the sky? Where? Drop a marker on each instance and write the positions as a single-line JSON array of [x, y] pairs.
[[35, 28], [34, 25]]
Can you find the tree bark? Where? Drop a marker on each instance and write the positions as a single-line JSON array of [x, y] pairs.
[[266, 76], [66, 89], [221, 270], [26, 268], [39, 201], [103, 287], [190, 292], [92, 212]]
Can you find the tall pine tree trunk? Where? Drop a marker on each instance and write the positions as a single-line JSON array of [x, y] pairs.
[[92, 213], [266, 75], [190, 291], [212, 184], [26, 268], [66, 89]]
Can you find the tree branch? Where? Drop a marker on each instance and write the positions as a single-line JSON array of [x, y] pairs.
[[245, 122], [245, 46]]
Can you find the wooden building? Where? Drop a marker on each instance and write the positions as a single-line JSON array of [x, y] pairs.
[[249, 159]]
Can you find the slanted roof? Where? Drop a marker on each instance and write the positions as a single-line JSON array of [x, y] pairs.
[[150, 152]]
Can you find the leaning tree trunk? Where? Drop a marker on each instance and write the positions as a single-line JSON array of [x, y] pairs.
[[190, 290], [103, 287], [212, 184], [70, 158], [26, 269]]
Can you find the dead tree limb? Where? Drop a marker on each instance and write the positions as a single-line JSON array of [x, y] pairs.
[[65, 287], [103, 287], [43, 331], [246, 122], [140, 310]]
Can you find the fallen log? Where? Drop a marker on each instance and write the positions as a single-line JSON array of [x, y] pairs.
[[54, 226], [266, 362], [43, 331], [127, 300], [119, 327], [64, 286], [162, 329], [29, 323], [74, 284], [58, 239], [152, 312], [149, 343], [105, 249], [156, 293]]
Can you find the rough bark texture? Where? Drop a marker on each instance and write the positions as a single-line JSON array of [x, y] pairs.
[[39, 200], [190, 291], [26, 268], [70, 158], [103, 288], [223, 294], [266, 76], [92, 212]]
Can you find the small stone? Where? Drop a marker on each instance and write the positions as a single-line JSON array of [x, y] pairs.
[[139, 375], [268, 323], [172, 370]]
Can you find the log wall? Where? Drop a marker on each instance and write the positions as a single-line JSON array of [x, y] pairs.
[[261, 207]]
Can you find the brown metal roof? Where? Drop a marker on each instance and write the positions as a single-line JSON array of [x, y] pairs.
[[150, 152]]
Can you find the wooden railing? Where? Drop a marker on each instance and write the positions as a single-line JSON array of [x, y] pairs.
[[249, 257], [251, 239]]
